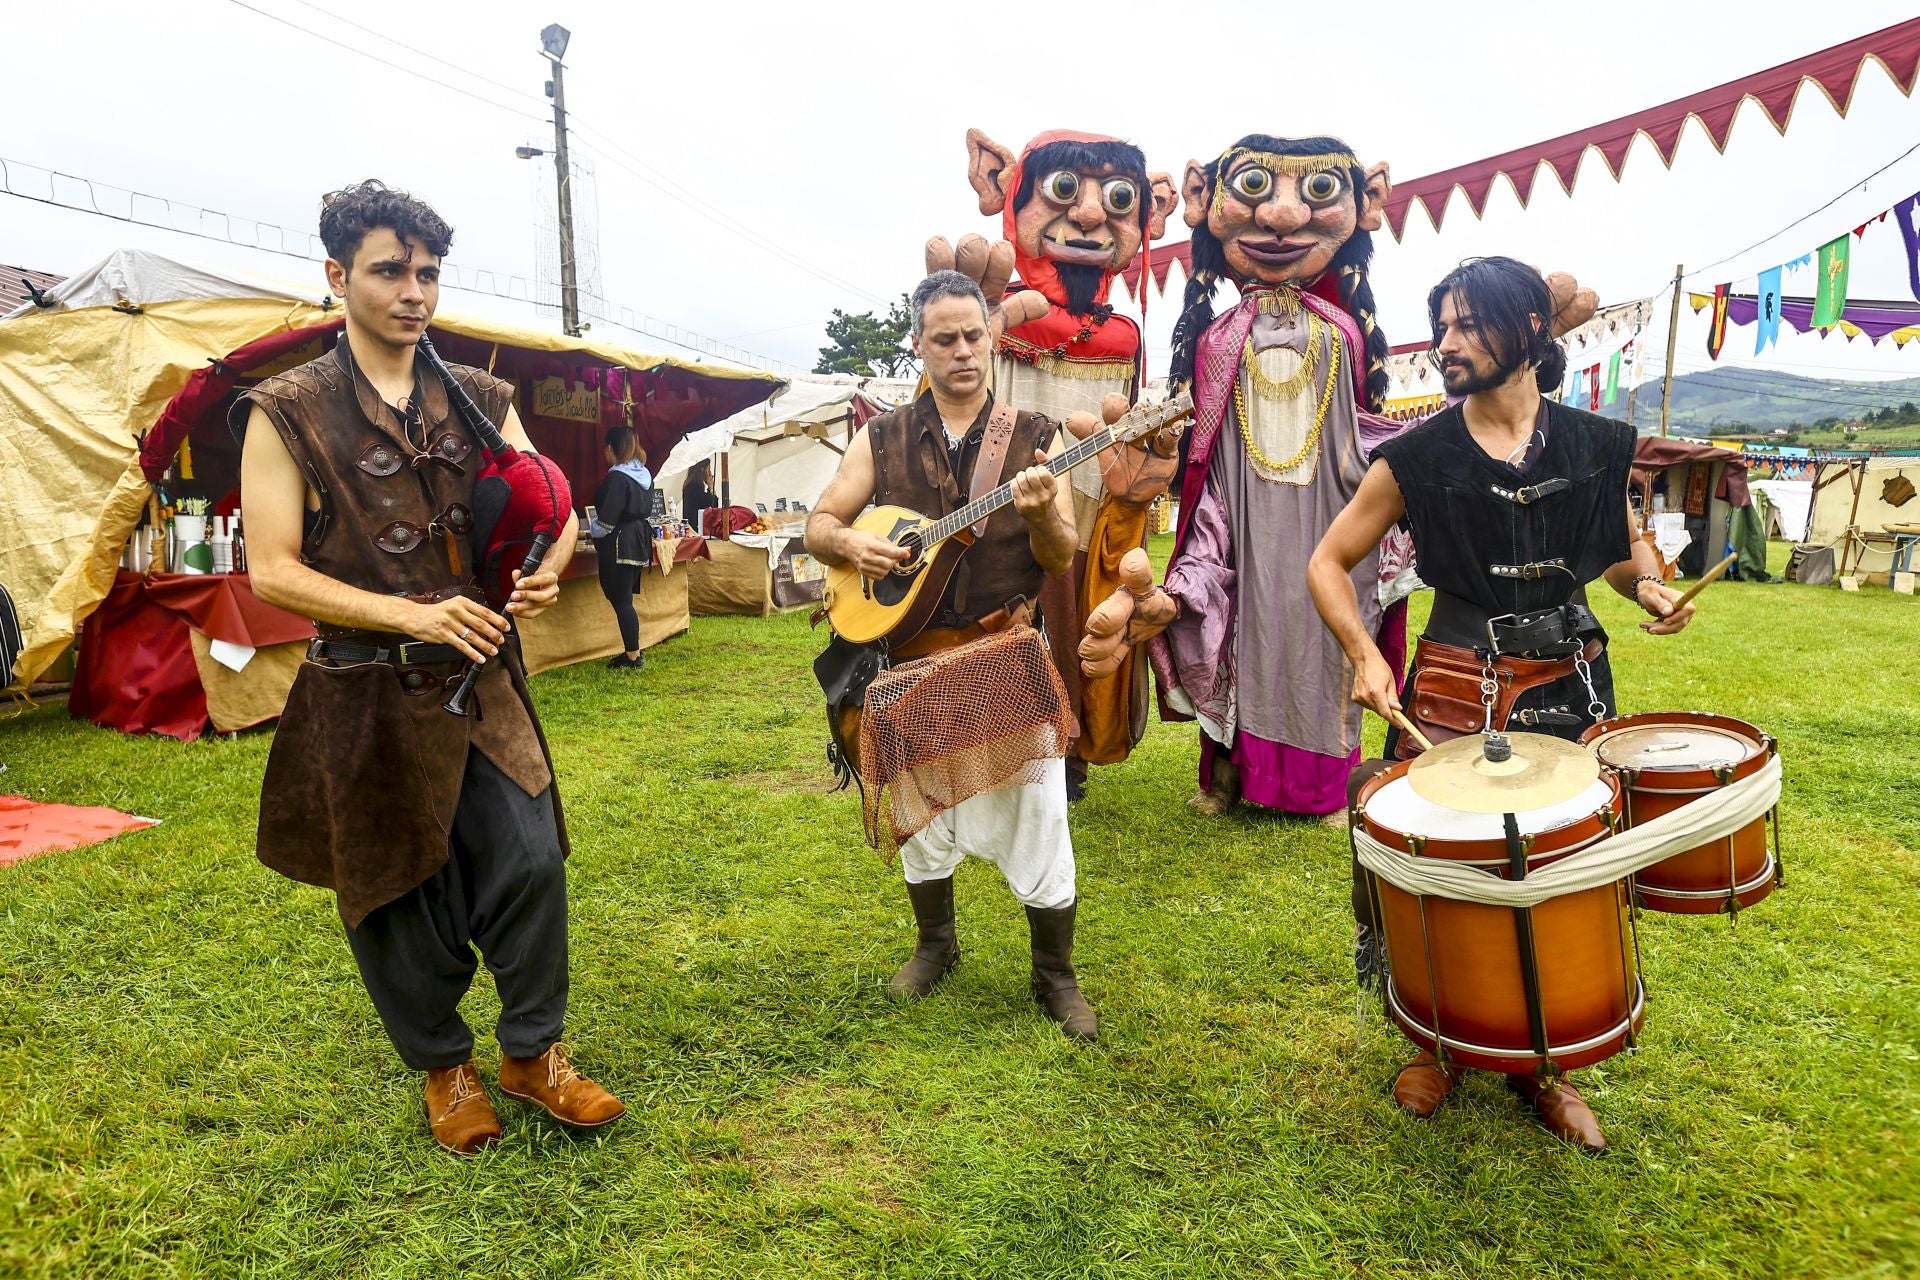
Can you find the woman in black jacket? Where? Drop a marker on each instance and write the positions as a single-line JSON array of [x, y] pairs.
[[697, 495], [623, 538]]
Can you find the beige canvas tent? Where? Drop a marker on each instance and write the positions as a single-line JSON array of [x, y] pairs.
[[83, 377]]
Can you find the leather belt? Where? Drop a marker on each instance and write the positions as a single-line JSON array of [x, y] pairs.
[[1530, 572], [405, 653], [1533, 492], [1557, 632], [1018, 612]]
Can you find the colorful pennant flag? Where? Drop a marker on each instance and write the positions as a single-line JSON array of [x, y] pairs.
[[1593, 387], [1905, 213], [1831, 300], [1767, 315], [1613, 378], [1717, 327]]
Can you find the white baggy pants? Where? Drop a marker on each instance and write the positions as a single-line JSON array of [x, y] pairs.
[[1022, 830]]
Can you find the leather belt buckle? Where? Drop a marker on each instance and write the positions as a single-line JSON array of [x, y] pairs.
[[1493, 641], [402, 654], [316, 649]]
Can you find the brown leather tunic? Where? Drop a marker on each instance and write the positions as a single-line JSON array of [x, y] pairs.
[[366, 768], [913, 469]]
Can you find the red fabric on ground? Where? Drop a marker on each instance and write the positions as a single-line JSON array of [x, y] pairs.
[[136, 671], [29, 827]]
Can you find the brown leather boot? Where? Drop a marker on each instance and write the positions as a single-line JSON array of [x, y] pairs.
[[458, 1112], [552, 1082], [1423, 1085], [1054, 983], [1561, 1109], [938, 950]]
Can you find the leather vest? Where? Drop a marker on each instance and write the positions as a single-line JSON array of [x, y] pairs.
[[366, 768], [1510, 541], [913, 469]]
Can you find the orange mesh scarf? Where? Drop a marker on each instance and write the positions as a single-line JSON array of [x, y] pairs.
[[979, 717]]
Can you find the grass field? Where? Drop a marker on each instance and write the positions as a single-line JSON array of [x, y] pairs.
[[192, 1082]]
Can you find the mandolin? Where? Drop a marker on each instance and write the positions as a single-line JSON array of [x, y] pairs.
[[895, 608]]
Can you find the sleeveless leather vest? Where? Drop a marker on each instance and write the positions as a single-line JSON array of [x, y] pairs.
[[366, 768], [1509, 541], [913, 469]]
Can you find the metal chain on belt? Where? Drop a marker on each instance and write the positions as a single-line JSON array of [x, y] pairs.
[[1489, 691], [1595, 708]]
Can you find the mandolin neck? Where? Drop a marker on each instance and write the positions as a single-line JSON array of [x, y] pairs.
[[980, 508]]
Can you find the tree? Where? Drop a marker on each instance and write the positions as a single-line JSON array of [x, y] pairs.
[[867, 345]]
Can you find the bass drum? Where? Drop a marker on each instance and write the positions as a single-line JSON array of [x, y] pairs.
[[1663, 760], [1458, 972]]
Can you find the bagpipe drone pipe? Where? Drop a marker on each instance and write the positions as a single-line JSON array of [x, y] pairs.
[[519, 500]]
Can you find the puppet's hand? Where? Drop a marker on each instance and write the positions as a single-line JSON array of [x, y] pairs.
[[989, 266], [1572, 305], [1135, 612], [1136, 472]]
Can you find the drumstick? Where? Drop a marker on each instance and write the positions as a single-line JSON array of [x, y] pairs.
[[1707, 579], [1399, 718]]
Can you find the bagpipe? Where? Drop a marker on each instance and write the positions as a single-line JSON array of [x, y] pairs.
[[519, 499]]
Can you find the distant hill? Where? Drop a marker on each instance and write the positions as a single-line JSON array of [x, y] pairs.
[[1734, 401]]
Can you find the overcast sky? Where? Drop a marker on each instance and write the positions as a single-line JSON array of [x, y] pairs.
[[758, 165]]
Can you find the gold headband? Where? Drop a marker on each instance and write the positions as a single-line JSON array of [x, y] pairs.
[[1291, 166]]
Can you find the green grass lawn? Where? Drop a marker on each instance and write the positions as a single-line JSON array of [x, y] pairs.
[[192, 1082]]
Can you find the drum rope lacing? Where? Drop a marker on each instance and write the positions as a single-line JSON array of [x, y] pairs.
[[1707, 818]]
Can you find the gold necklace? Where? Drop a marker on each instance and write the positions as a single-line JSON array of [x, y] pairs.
[[1261, 461], [1294, 383]]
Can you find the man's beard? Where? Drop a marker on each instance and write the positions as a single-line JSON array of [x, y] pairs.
[[1474, 383], [1082, 285]]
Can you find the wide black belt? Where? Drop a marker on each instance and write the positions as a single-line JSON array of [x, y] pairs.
[[1556, 632], [407, 653]]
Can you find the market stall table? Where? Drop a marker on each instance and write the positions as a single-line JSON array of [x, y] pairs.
[[171, 653], [756, 574], [580, 626]]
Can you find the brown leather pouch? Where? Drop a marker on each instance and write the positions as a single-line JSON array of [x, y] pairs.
[[1444, 697]]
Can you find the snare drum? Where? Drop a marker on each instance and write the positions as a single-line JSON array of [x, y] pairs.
[[1663, 760], [1458, 971]]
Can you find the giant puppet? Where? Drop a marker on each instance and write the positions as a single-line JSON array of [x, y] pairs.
[[1279, 384], [1287, 385], [1077, 208]]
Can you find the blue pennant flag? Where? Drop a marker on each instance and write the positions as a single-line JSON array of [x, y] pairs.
[[1767, 317]]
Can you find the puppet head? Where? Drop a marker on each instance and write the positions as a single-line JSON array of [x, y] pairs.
[[1077, 208], [1276, 212]]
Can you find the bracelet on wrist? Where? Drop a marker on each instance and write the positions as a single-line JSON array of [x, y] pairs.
[[1634, 588]]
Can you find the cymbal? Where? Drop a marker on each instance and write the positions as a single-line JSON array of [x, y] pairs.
[[1542, 771]]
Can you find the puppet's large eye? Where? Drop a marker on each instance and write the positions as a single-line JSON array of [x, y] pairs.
[[1119, 195], [1061, 186], [1253, 182], [1318, 188]]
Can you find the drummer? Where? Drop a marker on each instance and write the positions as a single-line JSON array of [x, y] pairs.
[[1515, 503]]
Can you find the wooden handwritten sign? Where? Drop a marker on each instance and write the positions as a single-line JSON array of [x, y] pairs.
[[552, 399]]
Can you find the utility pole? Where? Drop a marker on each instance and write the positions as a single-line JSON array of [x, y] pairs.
[[1673, 331], [553, 41]]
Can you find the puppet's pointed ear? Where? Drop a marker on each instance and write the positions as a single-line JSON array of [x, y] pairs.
[[1193, 186], [1165, 197], [1373, 203], [987, 165]]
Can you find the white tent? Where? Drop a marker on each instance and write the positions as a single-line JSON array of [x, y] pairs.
[[784, 450]]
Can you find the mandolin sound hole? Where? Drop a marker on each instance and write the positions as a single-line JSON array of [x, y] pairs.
[[915, 553]]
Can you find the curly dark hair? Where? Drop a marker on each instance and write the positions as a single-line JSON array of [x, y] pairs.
[[347, 215]]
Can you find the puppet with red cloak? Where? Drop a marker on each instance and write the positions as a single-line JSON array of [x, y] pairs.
[[1076, 209]]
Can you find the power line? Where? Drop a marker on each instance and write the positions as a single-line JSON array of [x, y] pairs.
[[660, 182], [450, 274], [341, 44], [515, 90]]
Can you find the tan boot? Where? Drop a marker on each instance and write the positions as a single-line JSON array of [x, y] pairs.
[[1561, 1109], [458, 1112], [1222, 794], [1423, 1085], [552, 1082]]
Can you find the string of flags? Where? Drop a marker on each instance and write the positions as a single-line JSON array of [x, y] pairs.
[[1828, 307]]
